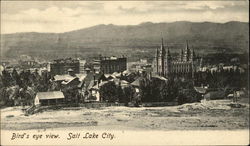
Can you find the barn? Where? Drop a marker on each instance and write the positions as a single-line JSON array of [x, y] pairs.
[[49, 98]]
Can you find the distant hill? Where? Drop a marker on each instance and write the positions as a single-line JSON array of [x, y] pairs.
[[131, 40]]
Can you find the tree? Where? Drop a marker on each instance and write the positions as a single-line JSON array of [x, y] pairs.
[[129, 93], [15, 77], [27, 95], [6, 78], [11, 94], [120, 94], [146, 91], [3, 96], [108, 92], [171, 90]]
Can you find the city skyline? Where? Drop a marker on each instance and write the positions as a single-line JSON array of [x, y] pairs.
[[63, 16]]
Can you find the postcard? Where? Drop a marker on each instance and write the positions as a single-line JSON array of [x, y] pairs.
[[124, 73]]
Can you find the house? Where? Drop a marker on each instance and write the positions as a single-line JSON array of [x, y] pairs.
[[91, 80], [49, 98], [94, 92], [96, 78], [70, 80]]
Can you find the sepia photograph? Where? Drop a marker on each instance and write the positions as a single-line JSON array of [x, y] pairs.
[[124, 72]]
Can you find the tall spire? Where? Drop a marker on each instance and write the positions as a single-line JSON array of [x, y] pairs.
[[156, 60], [181, 55], [187, 48], [162, 49], [187, 52], [168, 53], [193, 54]]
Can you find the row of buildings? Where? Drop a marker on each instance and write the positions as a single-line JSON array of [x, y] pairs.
[[106, 65]]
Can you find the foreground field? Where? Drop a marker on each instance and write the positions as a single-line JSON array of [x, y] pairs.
[[207, 115]]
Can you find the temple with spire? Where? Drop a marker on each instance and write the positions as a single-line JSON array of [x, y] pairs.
[[164, 64]]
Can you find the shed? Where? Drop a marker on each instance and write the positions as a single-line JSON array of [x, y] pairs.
[[49, 98]]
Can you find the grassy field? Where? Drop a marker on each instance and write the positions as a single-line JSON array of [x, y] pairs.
[[207, 115]]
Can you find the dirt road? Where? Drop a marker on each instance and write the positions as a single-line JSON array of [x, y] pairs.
[[209, 115]]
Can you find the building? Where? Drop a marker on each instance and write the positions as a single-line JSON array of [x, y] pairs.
[[109, 65], [61, 66], [49, 98], [164, 64], [140, 66], [28, 63], [91, 84]]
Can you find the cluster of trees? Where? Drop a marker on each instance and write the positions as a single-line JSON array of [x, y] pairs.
[[174, 89], [21, 88], [115, 93], [151, 89], [222, 78], [226, 58]]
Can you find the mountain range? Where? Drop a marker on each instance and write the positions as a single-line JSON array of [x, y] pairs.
[[131, 40]]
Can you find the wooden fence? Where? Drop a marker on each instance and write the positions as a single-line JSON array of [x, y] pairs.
[[100, 104]]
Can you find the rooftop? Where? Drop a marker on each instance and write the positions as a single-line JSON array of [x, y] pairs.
[[66, 60], [50, 95]]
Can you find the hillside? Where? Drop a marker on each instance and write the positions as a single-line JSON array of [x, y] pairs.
[[142, 39]]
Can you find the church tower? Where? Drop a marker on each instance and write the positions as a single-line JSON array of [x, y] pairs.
[[192, 59], [161, 59], [163, 63], [168, 62], [157, 61], [192, 56], [181, 56], [186, 56]]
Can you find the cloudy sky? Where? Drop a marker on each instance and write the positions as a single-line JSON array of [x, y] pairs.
[[62, 16]]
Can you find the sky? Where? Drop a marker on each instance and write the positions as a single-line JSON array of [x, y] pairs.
[[63, 16]]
